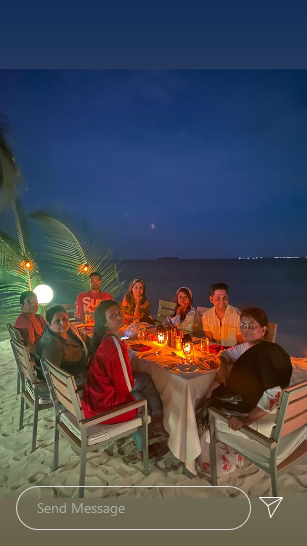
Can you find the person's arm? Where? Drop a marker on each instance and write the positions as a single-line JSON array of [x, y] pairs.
[[51, 350], [225, 358], [117, 365], [137, 311], [79, 311], [145, 309], [188, 323], [235, 423]]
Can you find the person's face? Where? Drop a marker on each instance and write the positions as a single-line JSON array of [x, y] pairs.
[[95, 282], [59, 323], [137, 290], [251, 330], [30, 305], [183, 299], [219, 300], [114, 319]]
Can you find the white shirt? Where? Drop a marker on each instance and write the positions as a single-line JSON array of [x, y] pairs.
[[224, 332]]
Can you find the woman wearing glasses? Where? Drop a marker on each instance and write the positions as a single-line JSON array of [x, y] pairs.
[[251, 391], [63, 345], [135, 305]]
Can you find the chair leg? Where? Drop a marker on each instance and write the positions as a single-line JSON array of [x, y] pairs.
[[22, 410], [34, 432], [56, 446], [274, 482], [82, 471], [145, 447], [213, 451], [18, 383]]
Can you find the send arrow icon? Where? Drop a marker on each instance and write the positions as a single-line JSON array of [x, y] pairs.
[[272, 503]]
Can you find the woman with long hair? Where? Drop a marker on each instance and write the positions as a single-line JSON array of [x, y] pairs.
[[135, 305], [185, 316], [110, 380], [251, 391]]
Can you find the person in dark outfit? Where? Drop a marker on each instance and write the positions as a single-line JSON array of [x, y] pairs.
[[62, 344]]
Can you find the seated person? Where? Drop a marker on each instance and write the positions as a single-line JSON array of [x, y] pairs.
[[110, 380], [29, 323], [135, 304], [261, 369], [63, 345], [185, 317], [221, 323], [88, 301]]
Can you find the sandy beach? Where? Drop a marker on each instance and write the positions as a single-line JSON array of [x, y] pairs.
[[117, 464]]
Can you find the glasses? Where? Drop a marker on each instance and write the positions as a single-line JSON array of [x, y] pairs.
[[247, 326]]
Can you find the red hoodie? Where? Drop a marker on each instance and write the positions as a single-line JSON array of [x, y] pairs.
[[110, 381]]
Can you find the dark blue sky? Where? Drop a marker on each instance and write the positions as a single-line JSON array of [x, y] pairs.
[[216, 160]]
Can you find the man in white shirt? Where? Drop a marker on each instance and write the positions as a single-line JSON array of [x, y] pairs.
[[221, 323]]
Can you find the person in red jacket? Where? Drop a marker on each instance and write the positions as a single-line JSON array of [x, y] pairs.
[[110, 380]]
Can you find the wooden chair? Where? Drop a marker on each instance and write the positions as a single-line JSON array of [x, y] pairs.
[[272, 331], [70, 310], [86, 434], [15, 334], [286, 446], [33, 392], [165, 310]]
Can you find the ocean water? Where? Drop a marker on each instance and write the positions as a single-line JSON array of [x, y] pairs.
[[279, 286]]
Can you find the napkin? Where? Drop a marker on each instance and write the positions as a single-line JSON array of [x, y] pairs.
[[217, 348]]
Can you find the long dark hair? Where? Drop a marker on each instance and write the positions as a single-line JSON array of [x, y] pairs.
[[129, 294], [100, 328], [188, 293]]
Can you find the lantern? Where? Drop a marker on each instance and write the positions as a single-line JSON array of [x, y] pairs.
[[161, 334], [84, 268], [44, 295], [187, 347]]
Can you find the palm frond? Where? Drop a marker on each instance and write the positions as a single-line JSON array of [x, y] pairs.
[[10, 179], [13, 278], [65, 253]]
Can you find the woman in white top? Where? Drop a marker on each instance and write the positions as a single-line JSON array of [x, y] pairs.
[[185, 317]]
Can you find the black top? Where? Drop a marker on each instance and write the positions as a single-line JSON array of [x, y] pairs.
[[262, 367]]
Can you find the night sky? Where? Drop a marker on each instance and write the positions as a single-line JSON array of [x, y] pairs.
[[194, 164]]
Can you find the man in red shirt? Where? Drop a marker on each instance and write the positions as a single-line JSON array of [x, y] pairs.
[[88, 301], [30, 324]]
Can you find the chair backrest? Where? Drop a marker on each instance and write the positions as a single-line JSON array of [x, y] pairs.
[[292, 412], [272, 331], [165, 309], [70, 310], [202, 310], [22, 361], [14, 333], [63, 389]]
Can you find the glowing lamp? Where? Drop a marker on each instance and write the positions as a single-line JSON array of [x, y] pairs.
[[187, 347], [27, 264], [161, 334], [44, 294], [84, 268]]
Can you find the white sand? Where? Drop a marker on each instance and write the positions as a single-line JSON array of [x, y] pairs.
[[20, 469]]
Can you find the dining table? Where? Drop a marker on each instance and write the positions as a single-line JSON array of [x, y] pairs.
[[180, 386]]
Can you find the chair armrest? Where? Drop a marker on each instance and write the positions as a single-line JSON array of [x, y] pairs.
[[124, 408], [250, 432]]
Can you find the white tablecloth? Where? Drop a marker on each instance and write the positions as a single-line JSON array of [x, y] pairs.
[[179, 393]]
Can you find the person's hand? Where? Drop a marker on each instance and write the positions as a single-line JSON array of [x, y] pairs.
[[222, 372], [180, 309], [221, 376], [234, 423]]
